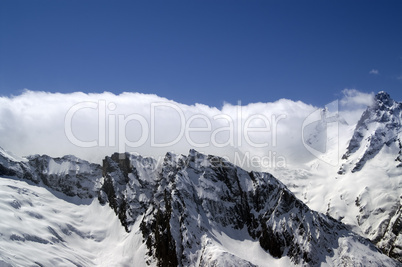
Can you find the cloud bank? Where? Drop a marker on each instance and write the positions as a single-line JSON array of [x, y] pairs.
[[92, 126]]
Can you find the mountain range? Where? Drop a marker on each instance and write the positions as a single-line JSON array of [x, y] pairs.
[[201, 210]]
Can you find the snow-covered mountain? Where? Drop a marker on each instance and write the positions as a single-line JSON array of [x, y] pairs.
[[200, 210], [379, 126], [194, 210], [373, 158], [187, 205], [365, 191]]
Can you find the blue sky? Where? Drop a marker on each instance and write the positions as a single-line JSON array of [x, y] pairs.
[[206, 52]]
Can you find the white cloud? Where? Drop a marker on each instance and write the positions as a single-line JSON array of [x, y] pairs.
[[39, 123], [374, 71], [352, 98], [353, 103]]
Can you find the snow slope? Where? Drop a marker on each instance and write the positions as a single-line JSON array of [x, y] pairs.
[[43, 227]]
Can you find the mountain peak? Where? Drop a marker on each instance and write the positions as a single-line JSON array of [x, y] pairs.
[[383, 99], [379, 125]]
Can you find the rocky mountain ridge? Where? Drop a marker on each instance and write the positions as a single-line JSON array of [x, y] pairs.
[[69, 174], [186, 207]]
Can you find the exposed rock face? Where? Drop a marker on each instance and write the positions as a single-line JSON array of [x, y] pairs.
[[69, 175], [186, 199]]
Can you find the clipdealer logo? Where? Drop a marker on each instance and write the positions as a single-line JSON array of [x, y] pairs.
[[254, 131]]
